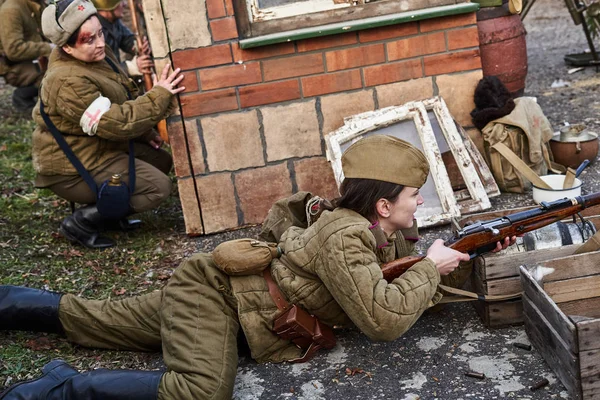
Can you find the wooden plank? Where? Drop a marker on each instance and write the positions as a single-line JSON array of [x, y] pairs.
[[504, 286], [589, 335], [585, 308], [573, 289], [557, 319], [504, 313], [572, 266], [589, 364], [502, 266], [553, 349]]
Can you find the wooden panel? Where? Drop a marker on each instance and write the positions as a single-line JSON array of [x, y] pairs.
[[590, 370], [579, 265], [557, 319], [555, 351], [504, 286], [504, 313], [502, 266], [585, 308], [589, 335], [573, 289]]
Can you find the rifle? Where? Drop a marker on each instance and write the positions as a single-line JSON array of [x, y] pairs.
[[161, 127], [481, 237]]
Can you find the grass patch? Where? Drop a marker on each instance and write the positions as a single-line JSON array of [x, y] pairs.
[[32, 253]]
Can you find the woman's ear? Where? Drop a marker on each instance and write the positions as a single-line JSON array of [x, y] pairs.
[[383, 208], [67, 49]]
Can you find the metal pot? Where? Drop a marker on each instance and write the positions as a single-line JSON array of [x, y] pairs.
[[570, 148]]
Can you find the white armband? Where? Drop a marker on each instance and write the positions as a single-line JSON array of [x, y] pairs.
[[91, 116]]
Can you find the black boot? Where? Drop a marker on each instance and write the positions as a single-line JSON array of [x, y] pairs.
[[61, 382], [23, 99], [123, 224], [26, 309], [83, 227]]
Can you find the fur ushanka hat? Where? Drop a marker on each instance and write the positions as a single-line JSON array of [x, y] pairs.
[[60, 20]]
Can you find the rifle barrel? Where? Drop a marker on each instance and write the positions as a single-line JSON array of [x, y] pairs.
[[497, 229]]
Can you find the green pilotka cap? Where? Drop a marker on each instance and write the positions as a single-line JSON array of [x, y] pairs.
[[386, 158]]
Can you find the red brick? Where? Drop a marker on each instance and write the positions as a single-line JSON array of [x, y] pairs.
[[316, 176], [229, 7], [452, 62], [355, 57], [240, 55], [388, 32], [223, 29], [231, 75], [190, 81], [293, 66], [452, 21], [331, 83], [202, 57], [327, 42], [259, 188], [268, 93], [209, 102], [416, 46], [393, 72], [215, 9], [462, 38]]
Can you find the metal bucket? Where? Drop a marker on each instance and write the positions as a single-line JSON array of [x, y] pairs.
[[552, 236]]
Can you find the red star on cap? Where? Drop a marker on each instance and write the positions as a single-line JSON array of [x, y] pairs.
[[80, 8]]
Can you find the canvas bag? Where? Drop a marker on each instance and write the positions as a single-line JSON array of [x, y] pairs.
[[527, 132]]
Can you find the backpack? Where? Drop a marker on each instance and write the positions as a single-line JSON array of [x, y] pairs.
[[527, 132]]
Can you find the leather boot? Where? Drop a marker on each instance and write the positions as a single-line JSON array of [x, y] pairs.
[[83, 227], [23, 99], [123, 224], [61, 382], [26, 309]]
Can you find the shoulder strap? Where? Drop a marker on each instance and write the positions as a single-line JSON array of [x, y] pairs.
[[62, 143]]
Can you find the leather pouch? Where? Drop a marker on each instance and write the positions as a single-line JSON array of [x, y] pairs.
[[303, 329]]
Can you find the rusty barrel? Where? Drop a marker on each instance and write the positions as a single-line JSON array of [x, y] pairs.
[[503, 47]]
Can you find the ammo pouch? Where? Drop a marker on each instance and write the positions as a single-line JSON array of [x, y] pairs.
[[245, 256], [112, 200], [297, 325]]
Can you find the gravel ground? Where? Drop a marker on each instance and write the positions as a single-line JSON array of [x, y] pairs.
[[429, 361]]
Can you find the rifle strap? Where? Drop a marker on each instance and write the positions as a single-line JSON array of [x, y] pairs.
[[520, 165], [592, 244], [464, 295]]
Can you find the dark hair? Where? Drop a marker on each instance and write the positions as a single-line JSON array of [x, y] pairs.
[[361, 195]]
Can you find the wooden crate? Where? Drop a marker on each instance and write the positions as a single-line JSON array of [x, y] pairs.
[[498, 273], [562, 320]]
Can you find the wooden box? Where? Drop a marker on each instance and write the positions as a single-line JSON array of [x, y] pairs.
[[498, 273], [562, 320]]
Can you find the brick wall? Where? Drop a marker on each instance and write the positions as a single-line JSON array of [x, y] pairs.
[[252, 121]]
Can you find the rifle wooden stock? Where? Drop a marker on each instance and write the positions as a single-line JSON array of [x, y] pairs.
[[486, 234], [161, 127]]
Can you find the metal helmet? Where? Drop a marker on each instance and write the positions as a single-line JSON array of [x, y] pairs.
[[106, 5]]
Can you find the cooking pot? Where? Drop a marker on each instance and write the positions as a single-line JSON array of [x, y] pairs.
[[557, 192], [573, 145]]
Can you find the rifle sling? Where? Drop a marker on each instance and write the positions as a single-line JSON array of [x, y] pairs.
[[464, 295]]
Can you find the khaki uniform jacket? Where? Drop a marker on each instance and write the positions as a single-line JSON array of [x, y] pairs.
[[21, 35], [333, 270], [68, 88]]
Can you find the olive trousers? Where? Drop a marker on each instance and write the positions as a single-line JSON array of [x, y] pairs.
[[193, 319], [152, 184]]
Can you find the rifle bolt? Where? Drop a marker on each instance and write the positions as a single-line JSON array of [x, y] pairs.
[[539, 385], [523, 346], [474, 374]]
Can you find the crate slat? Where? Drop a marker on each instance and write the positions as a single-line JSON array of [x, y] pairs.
[[553, 349]]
